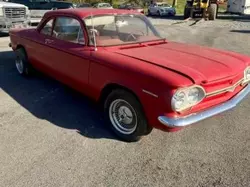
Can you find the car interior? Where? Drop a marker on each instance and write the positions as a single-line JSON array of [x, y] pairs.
[[104, 32], [116, 32]]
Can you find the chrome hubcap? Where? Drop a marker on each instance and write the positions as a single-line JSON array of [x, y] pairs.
[[123, 116], [19, 65]]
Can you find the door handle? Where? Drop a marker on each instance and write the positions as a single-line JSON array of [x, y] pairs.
[[48, 41]]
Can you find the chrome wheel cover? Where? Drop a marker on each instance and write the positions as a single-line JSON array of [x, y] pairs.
[[123, 116], [19, 65]]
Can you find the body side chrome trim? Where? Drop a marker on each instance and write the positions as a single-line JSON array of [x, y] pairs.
[[150, 93], [196, 117]]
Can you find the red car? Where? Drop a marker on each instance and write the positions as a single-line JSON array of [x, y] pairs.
[[142, 80]]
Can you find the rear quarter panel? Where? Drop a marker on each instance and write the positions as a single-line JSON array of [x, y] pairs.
[[21, 37], [29, 39]]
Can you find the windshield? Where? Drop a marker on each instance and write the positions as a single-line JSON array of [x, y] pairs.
[[123, 29]]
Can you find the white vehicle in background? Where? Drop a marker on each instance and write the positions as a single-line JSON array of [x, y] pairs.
[[239, 6], [13, 15], [161, 9], [103, 5]]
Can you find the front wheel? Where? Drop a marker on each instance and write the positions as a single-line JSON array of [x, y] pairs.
[[124, 114]]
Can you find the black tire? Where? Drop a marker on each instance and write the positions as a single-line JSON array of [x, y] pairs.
[[129, 100], [187, 12], [212, 11], [22, 60], [149, 13], [158, 13]]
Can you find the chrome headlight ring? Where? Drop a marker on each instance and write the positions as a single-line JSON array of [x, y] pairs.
[[188, 97], [247, 74]]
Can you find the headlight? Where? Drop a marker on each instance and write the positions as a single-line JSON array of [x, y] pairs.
[[1, 11], [185, 98], [247, 74]]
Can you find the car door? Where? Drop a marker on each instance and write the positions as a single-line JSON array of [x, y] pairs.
[[40, 53], [154, 8], [71, 56]]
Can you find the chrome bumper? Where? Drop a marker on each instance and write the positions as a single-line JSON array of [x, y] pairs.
[[196, 117]]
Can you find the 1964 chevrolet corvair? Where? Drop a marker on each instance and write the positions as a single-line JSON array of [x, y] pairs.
[[118, 58]]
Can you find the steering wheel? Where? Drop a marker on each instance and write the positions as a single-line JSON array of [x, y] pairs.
[[133, 35]]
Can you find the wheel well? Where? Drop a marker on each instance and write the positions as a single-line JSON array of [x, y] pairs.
[[109, 88], [19, 46]]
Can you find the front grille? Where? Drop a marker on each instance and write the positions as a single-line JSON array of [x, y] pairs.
[[230, 88], [14, 12]]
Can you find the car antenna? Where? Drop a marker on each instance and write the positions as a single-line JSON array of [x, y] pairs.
[[92, 22]]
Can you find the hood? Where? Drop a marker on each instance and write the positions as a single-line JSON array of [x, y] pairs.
[[8, 4], [201, 64]]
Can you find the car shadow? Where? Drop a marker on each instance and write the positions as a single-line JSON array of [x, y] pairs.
[[50, 100], [241, 31], [176, 17], [4, 34]]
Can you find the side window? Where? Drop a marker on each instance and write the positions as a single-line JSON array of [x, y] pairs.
[[24, 2], [47, 27], [68, 29]]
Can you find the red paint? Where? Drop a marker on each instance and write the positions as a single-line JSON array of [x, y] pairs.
[[158, 67]]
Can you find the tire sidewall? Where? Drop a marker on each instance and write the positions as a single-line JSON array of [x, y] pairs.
[[142, 126], [20, 53]]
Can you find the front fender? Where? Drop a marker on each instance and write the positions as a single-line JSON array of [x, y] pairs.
[[152, 85]]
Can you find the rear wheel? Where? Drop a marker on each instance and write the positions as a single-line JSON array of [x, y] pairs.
[[125, 116], [22, 64], [212, 11], [187, 12]]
